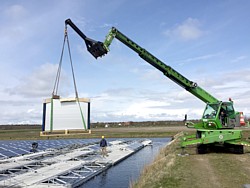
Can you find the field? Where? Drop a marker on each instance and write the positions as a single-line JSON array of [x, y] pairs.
[[114, 130]]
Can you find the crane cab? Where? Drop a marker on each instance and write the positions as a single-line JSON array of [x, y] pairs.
[[219, 116]]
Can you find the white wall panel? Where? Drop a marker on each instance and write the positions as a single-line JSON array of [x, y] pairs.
[[66, 115]]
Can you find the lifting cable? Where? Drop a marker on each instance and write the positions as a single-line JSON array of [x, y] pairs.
[[56, 84], [55, 89], [72, 69]]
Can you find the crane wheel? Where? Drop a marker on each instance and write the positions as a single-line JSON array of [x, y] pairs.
[[201, 149], [238, 149]]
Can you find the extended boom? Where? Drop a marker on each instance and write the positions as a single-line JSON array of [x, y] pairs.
[[172, 74]]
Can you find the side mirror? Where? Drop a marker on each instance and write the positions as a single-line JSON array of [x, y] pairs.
[[185, 118]]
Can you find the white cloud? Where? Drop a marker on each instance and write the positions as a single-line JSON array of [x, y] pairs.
[[149, 74], [22, 103], [17, 110], [37, 84], [239, 59], [15, 12], [188, 30], [14, 29], [134, 105], [198, 58]]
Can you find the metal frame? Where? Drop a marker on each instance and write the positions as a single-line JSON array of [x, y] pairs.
[[70, 166]]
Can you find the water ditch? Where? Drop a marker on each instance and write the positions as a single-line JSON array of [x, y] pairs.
[[127, 171]]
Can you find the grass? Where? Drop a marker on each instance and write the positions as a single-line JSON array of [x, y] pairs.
[[27, 133], [20, 134], [210, 170], [159, 173]]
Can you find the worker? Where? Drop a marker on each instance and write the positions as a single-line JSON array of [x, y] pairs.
[[103, 145], [34, 147], [223, 116]]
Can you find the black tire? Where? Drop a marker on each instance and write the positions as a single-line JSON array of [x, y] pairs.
[[201, 149], [239, 149]]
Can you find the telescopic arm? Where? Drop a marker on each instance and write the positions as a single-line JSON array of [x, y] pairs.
[[98, 49], [190, 86]]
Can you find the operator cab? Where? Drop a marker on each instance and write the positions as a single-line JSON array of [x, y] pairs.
[[219, 116]]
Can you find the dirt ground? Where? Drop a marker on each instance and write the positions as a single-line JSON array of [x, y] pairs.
[[214, 170]]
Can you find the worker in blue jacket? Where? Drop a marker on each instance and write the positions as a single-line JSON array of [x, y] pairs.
[[103, 145]]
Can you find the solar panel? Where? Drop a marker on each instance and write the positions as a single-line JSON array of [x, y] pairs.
[[12, 148], [19, 147]]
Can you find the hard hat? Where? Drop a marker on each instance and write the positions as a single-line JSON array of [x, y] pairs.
[[102, 136]]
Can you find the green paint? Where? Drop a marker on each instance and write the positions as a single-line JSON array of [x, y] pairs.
[[51, 114], [83, 121]]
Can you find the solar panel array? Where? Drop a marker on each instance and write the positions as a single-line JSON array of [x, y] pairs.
[[20, 147]]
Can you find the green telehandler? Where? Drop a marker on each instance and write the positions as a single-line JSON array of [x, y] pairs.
[[215, 129]]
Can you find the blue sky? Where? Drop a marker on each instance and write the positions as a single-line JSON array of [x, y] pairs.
[[206, 41]]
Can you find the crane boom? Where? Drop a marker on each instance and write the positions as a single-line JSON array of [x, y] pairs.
[[168, 71], [98, 49]]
